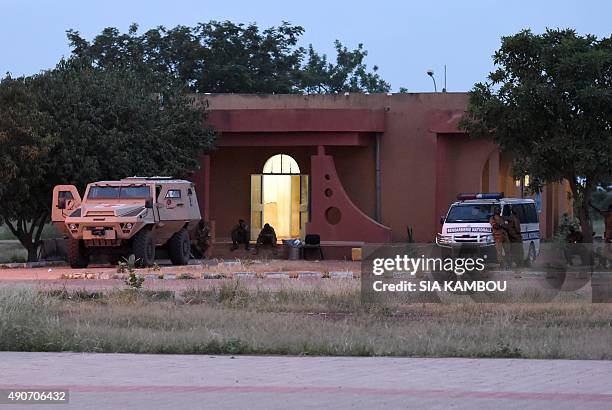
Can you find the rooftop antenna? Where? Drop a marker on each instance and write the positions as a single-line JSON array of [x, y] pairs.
[[444, 89]]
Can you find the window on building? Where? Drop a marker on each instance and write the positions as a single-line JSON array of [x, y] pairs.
[[281, 164]]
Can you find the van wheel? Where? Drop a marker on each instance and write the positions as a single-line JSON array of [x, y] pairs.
[[78, 257], [531, 255], [144, 248], [179, 248]]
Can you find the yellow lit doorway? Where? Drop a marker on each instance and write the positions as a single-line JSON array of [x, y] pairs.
[[279, 197]]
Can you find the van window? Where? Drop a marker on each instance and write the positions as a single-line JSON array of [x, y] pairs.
[[526, 213], [506, 211], [470, 213], [520, 212], [531, 215]]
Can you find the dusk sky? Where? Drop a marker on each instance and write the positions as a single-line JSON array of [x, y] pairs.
[[403, 38]]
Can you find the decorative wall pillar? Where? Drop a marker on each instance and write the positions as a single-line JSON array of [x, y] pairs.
[[333, 215]]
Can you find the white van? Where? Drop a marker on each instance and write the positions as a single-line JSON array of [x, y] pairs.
[[466, 224]]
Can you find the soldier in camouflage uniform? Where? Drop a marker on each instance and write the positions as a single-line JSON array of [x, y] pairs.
[[500, 236], [516, 239]]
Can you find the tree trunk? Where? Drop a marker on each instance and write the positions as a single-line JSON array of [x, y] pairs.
[[29, 237], [32, 248]]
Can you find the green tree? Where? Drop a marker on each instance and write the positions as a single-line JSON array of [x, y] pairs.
[[76, 124], [25, 141], [224, 57], [348, 74], [237, 58], [549, 103]]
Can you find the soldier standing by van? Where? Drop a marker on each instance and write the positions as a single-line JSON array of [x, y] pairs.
[[500, 236], [607, 215], [516, 239]]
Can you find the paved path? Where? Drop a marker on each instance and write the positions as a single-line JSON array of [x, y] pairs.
[[131, 381]]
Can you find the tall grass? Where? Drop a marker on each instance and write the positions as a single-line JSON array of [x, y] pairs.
[[49, 231], [233, 319], [12, 251]]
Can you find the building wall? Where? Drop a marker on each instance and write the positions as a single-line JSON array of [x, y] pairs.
[[424, 163], [230, 181], [461, 162], [356, 168], [231, 169]]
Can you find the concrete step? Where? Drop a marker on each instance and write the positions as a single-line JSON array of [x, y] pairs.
[[224, 251]]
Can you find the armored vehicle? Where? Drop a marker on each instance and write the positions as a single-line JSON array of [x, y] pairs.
[[132, 216]]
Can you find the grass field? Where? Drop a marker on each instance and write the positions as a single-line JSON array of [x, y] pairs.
[[49, 231], [12, 251], [233, 319]]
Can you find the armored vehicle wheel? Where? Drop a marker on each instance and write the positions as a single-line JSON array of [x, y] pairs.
[[114, 259], [77, 254], [144, 248], [179, 248]]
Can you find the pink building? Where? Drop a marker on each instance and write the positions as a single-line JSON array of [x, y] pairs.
[[352, 168]]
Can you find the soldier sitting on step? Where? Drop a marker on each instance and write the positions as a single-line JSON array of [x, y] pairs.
[[241, 234], [267, 237]]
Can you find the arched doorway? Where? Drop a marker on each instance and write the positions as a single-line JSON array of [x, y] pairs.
[[279, 197]]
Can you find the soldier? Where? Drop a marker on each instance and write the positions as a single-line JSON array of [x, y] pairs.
[[573, 239], [516, 239], [203, 238], [606, 256], [240, 234], [500, 236], [574, 236], [267, 236], [607, 215]]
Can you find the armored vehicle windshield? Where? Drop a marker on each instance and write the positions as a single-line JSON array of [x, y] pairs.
[[119, 192]]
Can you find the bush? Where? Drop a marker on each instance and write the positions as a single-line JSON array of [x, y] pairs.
[[133, 280]]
